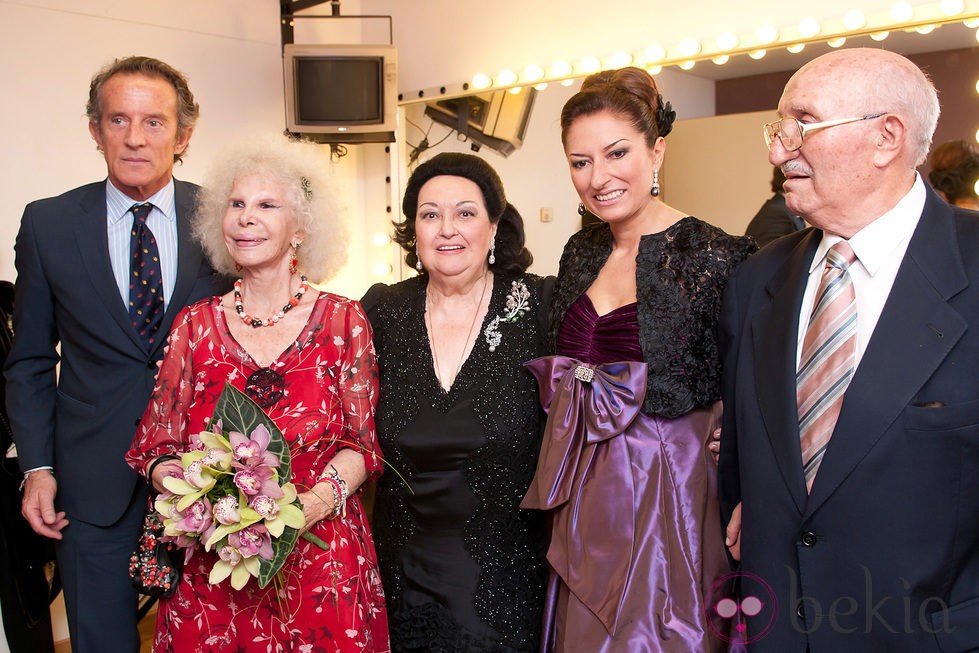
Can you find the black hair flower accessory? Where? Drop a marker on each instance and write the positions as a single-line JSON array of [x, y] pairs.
[[665, 115]]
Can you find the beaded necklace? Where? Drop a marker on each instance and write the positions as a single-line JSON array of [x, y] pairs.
[[271, 320]]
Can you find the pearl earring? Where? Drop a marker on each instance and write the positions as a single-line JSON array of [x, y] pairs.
[[655, 190]]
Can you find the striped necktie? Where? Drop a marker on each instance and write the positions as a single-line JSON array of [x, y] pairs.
[[145, 278], [828, 358]]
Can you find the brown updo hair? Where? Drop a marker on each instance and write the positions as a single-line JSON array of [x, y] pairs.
[[628, 92]]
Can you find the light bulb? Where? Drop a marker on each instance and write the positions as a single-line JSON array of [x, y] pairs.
[[654, 70], [687, 65], [481, 81], [561, 68], [540, 87], [619, 59], [655, 53], [382, 269], [902, 12], [688, 48], [767, 34], [854, 19], [796, 48], [952, 7], [879, 36], [808, 28], [381, 239], [727, 40], [971, 23], [589, 65], [925, 29], [505, 77], [532, 73], [721, 60], [756, 54], [837, 42]]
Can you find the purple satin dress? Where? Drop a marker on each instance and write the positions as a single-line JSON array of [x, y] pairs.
[[636, 538]]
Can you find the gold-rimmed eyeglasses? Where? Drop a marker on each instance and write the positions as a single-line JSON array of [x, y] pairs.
[[792, 132]]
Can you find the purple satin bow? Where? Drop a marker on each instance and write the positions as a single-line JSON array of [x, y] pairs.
[[594, 515]]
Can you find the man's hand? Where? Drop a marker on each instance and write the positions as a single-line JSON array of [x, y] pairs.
[[38, 505], [714, 445], [733, 533], [163, 470]]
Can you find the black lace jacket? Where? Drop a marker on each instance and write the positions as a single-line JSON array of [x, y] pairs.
[[508, 544], [680, 277]]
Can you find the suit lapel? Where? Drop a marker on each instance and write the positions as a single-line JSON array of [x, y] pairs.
[[916, 331], [92, 236], [774, 332], [189, 256]]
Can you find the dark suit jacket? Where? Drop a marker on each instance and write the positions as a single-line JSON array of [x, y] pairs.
[[772, 221], [66, 294], [883, 555]]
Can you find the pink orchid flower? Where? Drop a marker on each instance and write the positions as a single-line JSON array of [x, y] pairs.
[[251, 541]]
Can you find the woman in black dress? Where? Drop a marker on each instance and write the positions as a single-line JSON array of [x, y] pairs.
[[462, 565]]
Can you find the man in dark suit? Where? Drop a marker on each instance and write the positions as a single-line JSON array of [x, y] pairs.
[[849, 457], [774, 219], [79, 258]]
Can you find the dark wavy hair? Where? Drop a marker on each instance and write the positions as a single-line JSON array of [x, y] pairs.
[[955, 170], [629, 92], [512, 257], [187, 109]]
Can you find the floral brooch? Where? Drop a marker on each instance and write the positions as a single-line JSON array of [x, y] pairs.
[[517, 304]]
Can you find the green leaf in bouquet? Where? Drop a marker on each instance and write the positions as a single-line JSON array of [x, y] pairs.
[[282, 546], [238, 412]]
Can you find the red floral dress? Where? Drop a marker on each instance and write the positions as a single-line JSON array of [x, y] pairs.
[[326, 385]]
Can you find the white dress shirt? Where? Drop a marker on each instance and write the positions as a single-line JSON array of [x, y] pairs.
[[162, 221], [880, 249]]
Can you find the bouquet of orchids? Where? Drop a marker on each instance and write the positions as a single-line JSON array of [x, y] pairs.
[[235, 496]]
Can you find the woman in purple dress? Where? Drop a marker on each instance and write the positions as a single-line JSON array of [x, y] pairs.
[[632, 394]]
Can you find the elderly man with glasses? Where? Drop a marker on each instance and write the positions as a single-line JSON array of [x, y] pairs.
[[849, 463]]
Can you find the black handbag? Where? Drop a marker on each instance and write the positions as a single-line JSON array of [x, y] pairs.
[[155, 566]]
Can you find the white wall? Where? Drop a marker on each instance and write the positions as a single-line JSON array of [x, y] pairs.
[[230, 51], [451, 40], [717, 168], [536, 175]]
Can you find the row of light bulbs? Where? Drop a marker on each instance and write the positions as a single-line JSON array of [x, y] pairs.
[[726, 44]]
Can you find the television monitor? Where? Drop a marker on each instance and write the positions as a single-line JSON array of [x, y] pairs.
[[341, 93], [497, 119]]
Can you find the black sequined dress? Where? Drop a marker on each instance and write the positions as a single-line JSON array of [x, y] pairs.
[[462, 565]]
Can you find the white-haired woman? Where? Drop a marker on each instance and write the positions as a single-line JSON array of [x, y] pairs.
[[306, 358]]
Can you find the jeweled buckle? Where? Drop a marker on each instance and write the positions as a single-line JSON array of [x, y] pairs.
[[585, 374]]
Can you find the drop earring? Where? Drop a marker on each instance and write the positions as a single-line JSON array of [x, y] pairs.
[[492, 254], [655, 190], [581, 208], [418, 262], [294, 260]]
